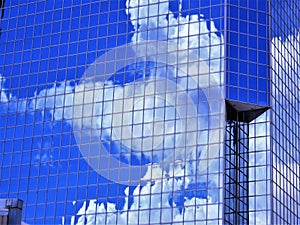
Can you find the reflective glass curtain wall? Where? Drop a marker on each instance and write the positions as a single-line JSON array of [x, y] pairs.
[[247, 192], [285, 112], [113, 112]]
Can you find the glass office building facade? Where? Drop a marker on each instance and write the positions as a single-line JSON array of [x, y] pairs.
[[151, 111], [285, 113]]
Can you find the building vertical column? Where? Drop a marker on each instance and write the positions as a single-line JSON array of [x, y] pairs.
[[236, 173], [10, 211], [236, 202]]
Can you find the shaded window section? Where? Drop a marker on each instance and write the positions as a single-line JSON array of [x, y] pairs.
[[236, 202], [2, 2], [247, 52]]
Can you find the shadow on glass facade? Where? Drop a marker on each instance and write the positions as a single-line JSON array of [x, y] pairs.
[[236, 202]]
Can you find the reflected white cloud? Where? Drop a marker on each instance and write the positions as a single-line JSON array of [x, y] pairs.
[[195, 99], [151, 204], [285, 89], [3, 95], [58, 100], [153, 20], [285, 58], [120, 112]]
